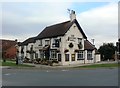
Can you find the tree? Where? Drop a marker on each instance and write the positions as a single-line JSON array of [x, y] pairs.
[[107, 51]]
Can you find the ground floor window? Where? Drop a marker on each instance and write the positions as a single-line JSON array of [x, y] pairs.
[[80, 55], [32, 56], [36, 55], [73, 57], [41, 54], [59, 57], [89, 55], [53, 54], [66, 57]]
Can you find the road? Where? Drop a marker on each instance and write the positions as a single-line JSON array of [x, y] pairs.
[[60, 77]]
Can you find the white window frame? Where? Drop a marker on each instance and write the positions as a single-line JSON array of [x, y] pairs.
[[53, 54], [80, 55], [79, 40], [47, 42], [54, 41], [41, 53], [40, 42], [89, 55]]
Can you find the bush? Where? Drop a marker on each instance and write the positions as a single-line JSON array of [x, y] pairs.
[[44, 62], [54, 61], [38, 61], [26, 60]]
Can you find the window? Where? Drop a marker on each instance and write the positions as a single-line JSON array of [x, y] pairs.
[[80, 55], [89, 55], [41, 54], [53, 54], [59, 57], [80, 46], [66, 57], [31, 48], [40, 43], [36, 55], [56, 43], [22, 49], [79, 41], [47, 42], [73, 57]]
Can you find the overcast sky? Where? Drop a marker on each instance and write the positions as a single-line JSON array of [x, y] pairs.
[[21, 20]]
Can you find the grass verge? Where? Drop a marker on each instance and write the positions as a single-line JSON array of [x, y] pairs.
[[108, 65], [13, 64]]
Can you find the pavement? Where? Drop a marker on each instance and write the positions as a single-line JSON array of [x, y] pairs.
[[65, 66], [68, 66]]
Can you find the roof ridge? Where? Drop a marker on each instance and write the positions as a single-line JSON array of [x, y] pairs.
[[58, 29], [89, 45], [89, 42], [7, 40], [58, 23]]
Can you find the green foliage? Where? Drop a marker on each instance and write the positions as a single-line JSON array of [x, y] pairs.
[[13, 64], [107, 51], [110, 65]]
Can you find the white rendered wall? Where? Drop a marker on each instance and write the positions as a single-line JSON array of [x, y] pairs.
[[19, 49], [65, 45], [97, 57]]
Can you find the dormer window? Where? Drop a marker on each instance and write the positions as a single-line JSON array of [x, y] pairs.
[[47, 42]]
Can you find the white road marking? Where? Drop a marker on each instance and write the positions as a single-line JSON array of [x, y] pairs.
[[7, 74], [64, 70], [47, 71]]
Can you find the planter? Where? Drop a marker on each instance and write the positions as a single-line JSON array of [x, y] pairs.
[[27, 51], [30, 51], [66, 51], [76, 51], [58, 51]]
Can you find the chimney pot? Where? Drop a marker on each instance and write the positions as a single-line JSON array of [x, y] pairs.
[[72, 15]]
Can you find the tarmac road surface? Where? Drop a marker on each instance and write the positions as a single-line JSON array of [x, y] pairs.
[[60, 77]]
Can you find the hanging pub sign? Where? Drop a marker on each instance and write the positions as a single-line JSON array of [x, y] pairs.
[[71, 45]]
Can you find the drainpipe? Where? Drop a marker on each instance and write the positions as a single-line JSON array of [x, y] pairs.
[[84, 56], [94, 58], [49, 50]]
